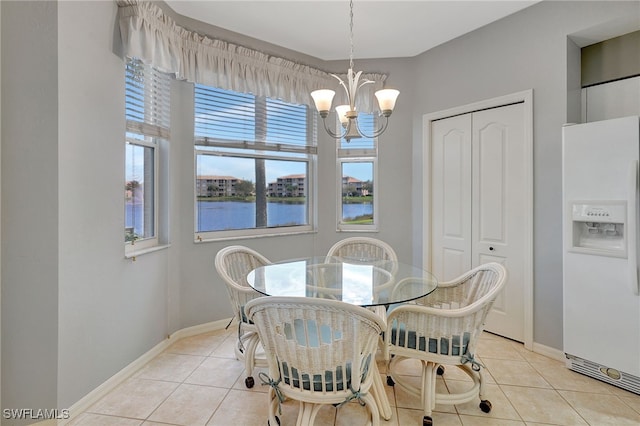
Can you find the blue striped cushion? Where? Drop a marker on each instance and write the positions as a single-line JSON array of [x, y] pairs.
[[456, 350], [330, 378]]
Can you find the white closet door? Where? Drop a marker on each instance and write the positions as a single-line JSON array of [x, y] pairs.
[[498, 218], [451, 192], [478, 180]]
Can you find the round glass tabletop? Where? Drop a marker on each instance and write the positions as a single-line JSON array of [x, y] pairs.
[[362, 282]]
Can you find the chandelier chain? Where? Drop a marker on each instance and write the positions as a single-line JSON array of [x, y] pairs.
[[351, 33]]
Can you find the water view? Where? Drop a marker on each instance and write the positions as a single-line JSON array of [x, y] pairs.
[[225, 215]]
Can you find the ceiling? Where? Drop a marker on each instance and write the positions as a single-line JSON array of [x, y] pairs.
[[382, 29]]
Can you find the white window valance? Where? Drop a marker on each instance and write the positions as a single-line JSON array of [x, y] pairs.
[[153, 37]]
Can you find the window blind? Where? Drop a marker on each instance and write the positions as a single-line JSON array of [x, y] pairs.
[[229, 119], [147, 108], [360, 146]]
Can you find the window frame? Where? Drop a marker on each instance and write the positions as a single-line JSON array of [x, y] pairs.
[[357, 155], [306, 153], [154, 133], [346, 227], [146, 243]]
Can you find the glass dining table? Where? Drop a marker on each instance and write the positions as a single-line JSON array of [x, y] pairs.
[[362, 282]]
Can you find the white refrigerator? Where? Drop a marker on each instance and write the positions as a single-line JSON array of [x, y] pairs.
[[601, 293]]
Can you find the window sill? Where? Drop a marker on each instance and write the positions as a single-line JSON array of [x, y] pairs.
[[200, 240], [135, 253], [371, 230]]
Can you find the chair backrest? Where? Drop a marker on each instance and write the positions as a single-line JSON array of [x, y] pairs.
[[316, 346], [449, 320], [476, 287], [233, 264], [363, 249]]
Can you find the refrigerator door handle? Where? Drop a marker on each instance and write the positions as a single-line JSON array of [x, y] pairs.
[[632, 221]]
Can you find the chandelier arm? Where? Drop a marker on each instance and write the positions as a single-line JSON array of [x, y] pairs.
[[377, 132], [344, 86], [355, 92], [332, 133]]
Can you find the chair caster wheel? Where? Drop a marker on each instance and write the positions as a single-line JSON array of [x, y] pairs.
[[485, 406], [390, 381], [277, 421], [440, 370], [427, 421], [249, 382]]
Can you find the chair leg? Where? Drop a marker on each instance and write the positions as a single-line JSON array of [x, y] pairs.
[[485, 404], [381, 400], [245, 350], [372, 406], [481, 389], [273, 420], [306, 414], [249, 359], [428, 388]]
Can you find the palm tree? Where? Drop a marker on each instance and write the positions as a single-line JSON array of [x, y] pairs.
[[261, 194], [261, 180]]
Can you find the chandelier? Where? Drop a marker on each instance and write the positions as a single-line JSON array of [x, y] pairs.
[[347, 113]]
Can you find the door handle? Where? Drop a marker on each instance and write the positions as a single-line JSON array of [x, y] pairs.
[[491, 248]]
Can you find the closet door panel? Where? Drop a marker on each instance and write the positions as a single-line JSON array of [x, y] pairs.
[[451, 191], [490, 177], [498, 227]]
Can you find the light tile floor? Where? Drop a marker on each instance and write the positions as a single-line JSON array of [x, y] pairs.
[[198, 381]]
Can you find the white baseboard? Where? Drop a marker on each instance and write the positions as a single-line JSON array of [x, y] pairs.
[[92, 397], [550, 352]]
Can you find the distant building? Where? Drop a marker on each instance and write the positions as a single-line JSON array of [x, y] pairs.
[[288, 186], [216, 186], [353, 187]]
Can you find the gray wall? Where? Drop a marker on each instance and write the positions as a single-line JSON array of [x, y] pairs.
[[29, 205], [111, 310], [75, 311]]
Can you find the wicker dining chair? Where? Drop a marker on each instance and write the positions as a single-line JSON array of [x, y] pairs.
[[233, 264], [440, 329], [365, 250], [319, 351], [370, 251]]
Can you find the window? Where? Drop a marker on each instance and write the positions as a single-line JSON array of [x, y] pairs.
[[357, 170], [147, 116], [255, 160]]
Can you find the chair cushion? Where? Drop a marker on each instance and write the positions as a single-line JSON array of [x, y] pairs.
[[330, 377], [456, 349], [305, 333]]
